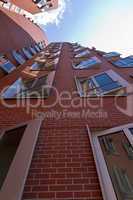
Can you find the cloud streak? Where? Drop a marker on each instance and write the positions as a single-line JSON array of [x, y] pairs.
[[53, 16]]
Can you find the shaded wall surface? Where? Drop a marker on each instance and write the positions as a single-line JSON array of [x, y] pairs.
[[17, 32]]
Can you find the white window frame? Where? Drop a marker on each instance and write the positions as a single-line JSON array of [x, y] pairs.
[[96, 64], [112, 74], [103, 174], [13, 186]]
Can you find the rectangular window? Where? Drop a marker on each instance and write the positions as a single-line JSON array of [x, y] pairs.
[[86, 64], [27, 53], [33, 88], [113, 153], [107, 83], [111, 55], [37, 48], [124, 62], [82, 54], [8, 147], [16, 150], [18, 57], [33, 51], [6, 65]]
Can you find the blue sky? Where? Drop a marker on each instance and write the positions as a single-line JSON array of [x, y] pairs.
[[105, 24]]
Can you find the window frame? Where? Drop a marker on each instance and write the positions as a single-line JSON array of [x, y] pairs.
[[50, 76], [97, 63], [116, 77], [103, 174], [7, 61], [13, 186]]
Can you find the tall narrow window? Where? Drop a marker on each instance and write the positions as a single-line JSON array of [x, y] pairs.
[[113, 152], [8, 147]]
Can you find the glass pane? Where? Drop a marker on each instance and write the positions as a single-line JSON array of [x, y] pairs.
[[83, 53], [103, 79], [8, 147], [88, 63], [27, 53], [6, 64], [18, 57], [118, 155], [14, 89], [111, 86], [131, 130]]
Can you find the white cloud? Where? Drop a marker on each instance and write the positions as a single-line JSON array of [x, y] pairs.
[[53, 16], [115, 33]]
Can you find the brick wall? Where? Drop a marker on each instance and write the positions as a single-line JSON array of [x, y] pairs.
[[62, 166]]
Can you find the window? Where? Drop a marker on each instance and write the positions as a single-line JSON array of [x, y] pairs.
[[27, 53], [111, 54], [18, 57], [113, 154], [33, 88], [41, 3], [33, 51], [106, 83], [78, 49], [6, 65], [94, 61], [82, 54], [37, 48], [42, 65], [16, 150], [124, 62]]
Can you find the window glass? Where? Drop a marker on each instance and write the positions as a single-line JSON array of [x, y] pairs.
[[125, 62], [83, 53], [37, 48], [27, 53], [103, 79], [118, 155], [33, 51], [6, 65], [18, 57], [131, 130], [111, 54], [88, 63], [24, 88], [35, 66], [8, 147]]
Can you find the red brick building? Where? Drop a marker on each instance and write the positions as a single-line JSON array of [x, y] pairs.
[[65, 118]]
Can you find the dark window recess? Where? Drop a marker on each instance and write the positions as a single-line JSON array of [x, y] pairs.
[[131, 130], [8, 147]]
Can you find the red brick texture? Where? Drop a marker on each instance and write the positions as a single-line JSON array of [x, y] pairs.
[[62, 166], [17, 32]]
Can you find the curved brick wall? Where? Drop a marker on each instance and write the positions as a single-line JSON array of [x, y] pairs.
[[17, 31]]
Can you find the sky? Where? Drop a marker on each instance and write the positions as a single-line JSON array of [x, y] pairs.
[[104, 24]]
